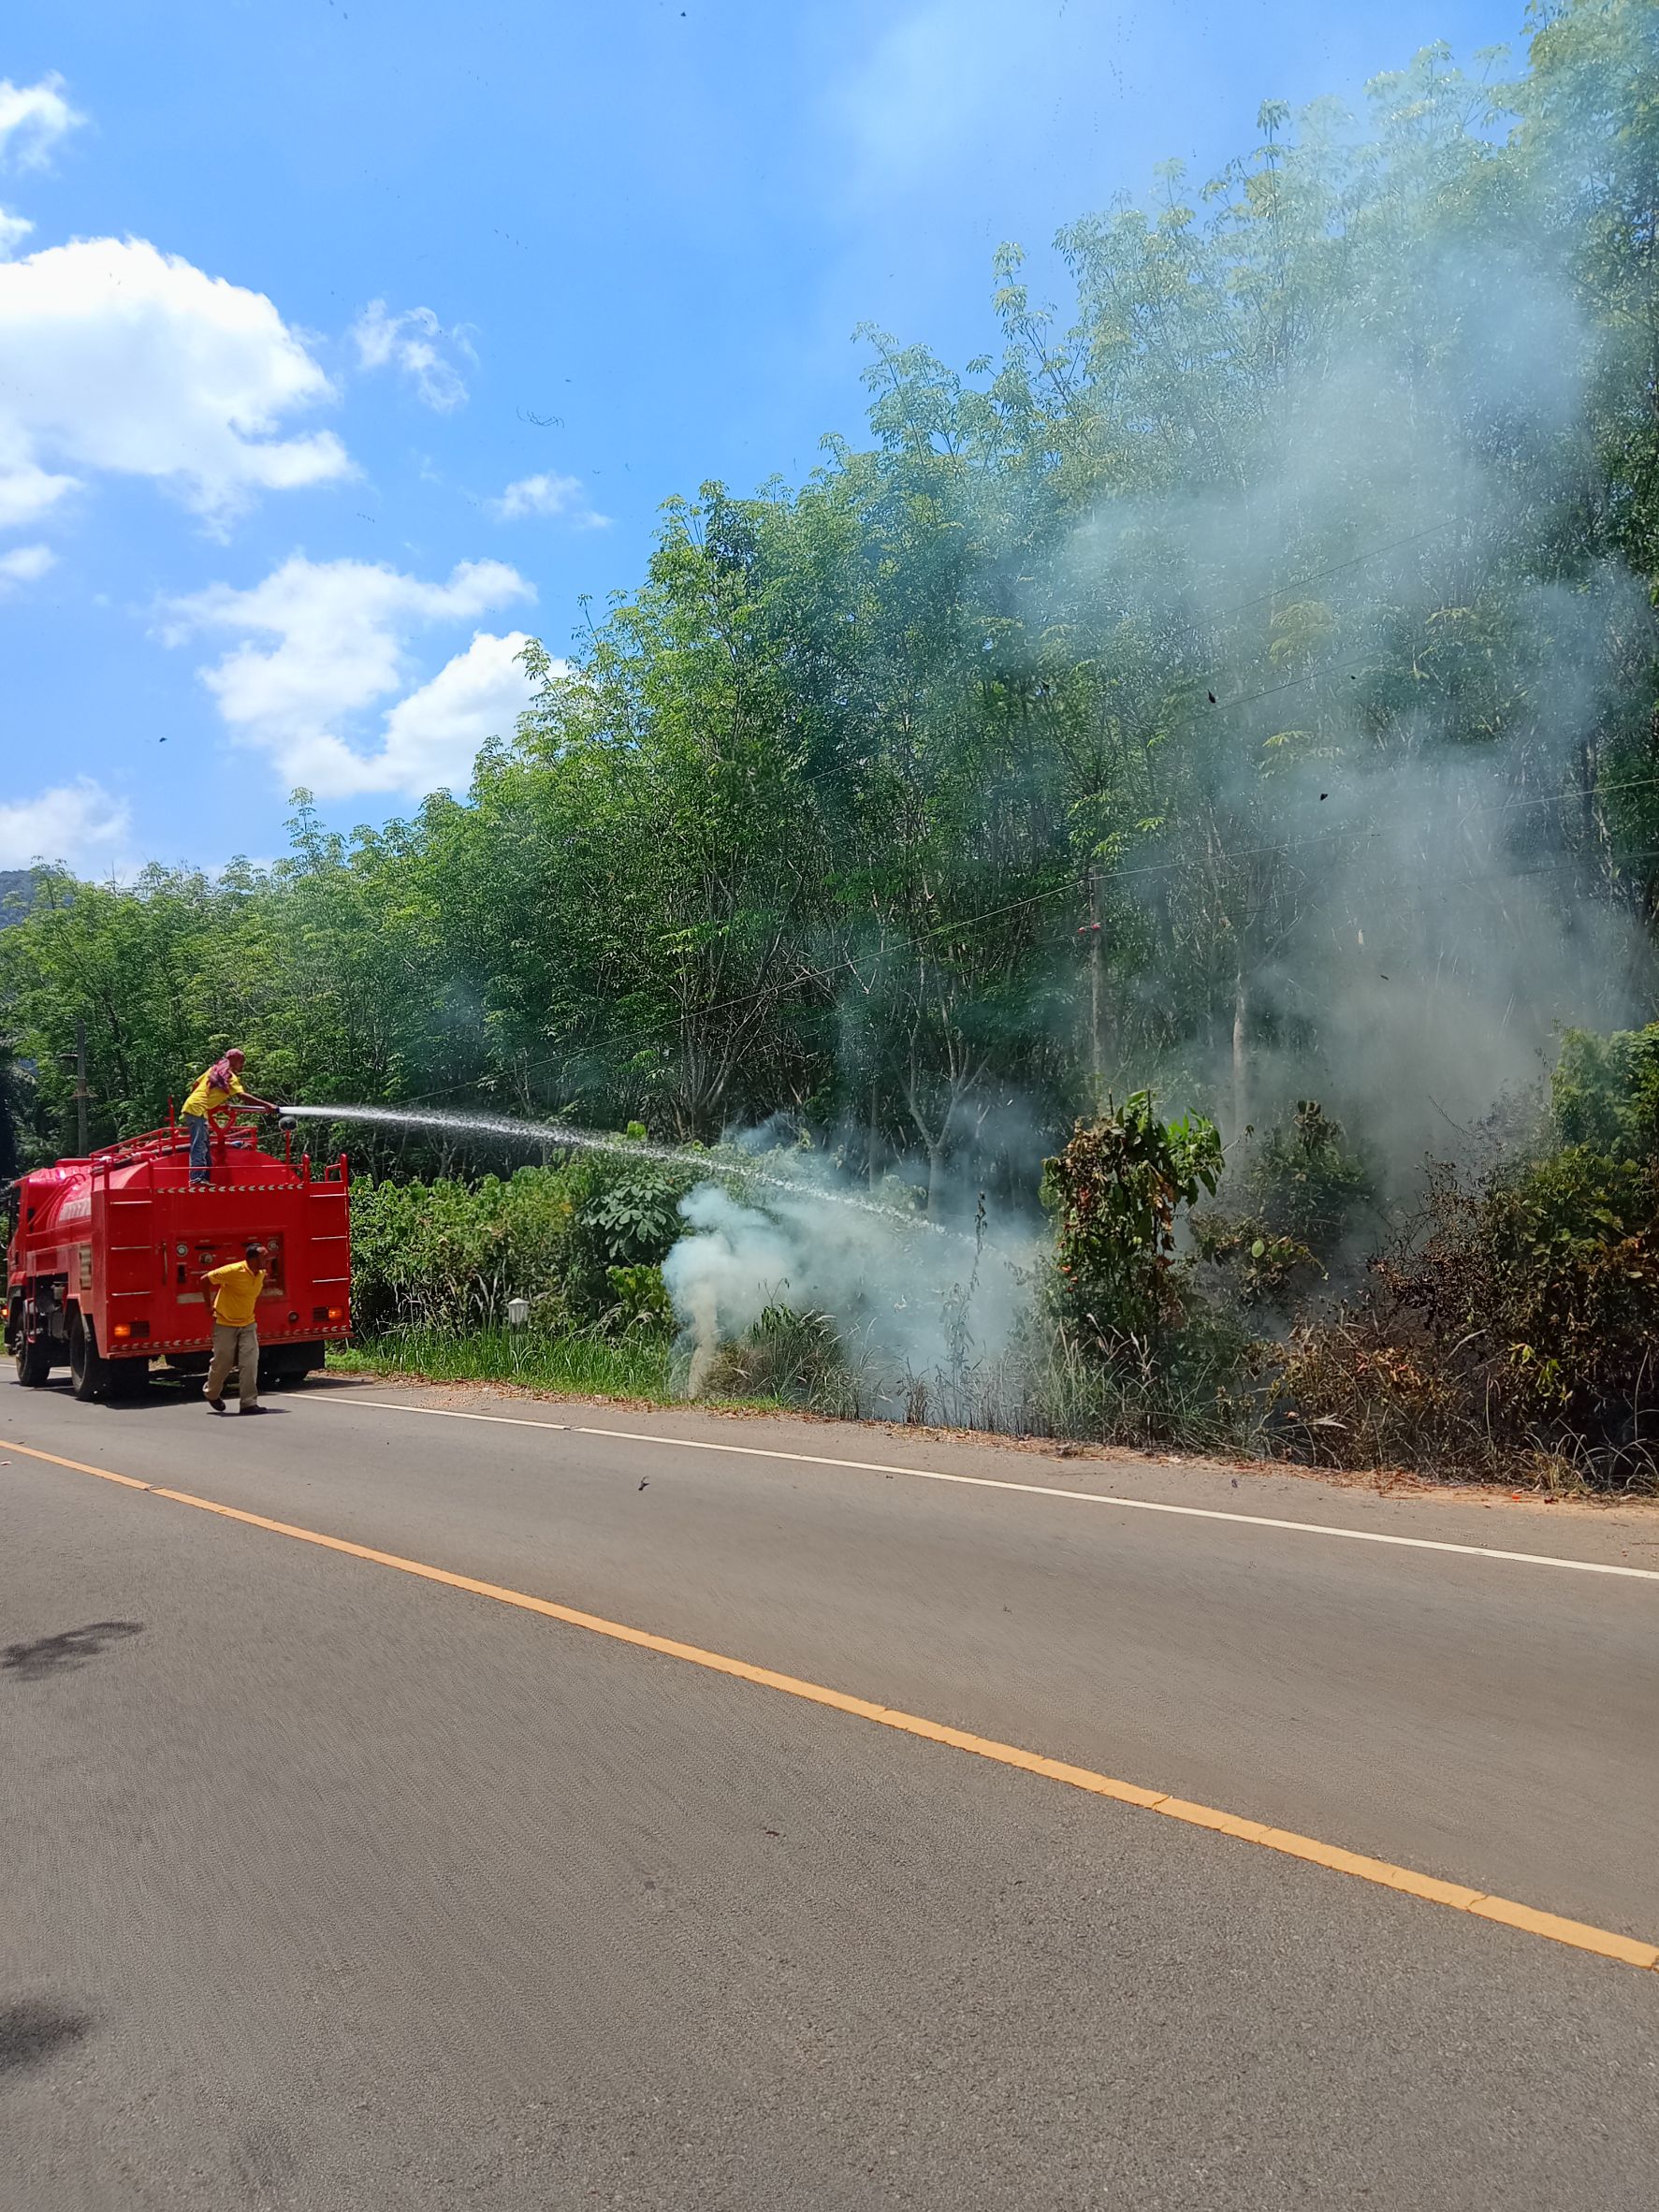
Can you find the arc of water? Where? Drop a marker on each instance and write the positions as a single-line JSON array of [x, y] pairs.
[[562, 1133]]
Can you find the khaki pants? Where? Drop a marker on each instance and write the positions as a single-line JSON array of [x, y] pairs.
[[238, 1348]]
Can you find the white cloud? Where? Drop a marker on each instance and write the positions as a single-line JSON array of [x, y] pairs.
[[548, 495], [123, 358], [13, 230], [340, 633], [26, 490], [410, 342], [24, 565], [80, 823], [32, 118], [431, 738]]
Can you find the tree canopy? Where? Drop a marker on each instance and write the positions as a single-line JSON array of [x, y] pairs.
[[1246, 668]]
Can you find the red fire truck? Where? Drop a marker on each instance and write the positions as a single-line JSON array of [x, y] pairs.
[[106, 1256]]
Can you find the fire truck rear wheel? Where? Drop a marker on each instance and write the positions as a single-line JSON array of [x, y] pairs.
[[88, 1370], [33, 1364]]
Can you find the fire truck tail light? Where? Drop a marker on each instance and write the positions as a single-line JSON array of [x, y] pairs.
[[121, 1329], [337, 1312]]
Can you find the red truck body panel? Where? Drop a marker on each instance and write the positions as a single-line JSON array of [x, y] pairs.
[[124, 1238]]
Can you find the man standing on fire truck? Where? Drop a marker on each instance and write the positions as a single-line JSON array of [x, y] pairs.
[[236, 1335], [218, 1087]]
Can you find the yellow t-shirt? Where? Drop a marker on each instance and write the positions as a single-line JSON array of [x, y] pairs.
[[236, 1292], [207, 1098]]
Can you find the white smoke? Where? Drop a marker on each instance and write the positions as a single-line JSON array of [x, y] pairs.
[[909, 1298]]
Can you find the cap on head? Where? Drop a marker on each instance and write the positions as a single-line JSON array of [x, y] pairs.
[[235, 1055]]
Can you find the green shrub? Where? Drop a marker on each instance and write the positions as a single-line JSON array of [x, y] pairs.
[[1604, 1092], [449, 1255], [642, 1300], [1306, 1182], [786, 1355], [1116, 1190], [630, 1219], [1519, 1320], [1302, 1193]]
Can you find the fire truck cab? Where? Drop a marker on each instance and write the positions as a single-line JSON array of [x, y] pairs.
[[106, 1255]]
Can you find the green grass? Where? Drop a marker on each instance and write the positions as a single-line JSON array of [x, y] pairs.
[[633, 1366], [637, 1365]]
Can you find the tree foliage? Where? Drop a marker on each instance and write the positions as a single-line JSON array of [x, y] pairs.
[[1116, 1191], [1189, 693], [972, 775]]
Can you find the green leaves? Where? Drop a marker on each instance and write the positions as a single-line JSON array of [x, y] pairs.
[[1116, 1190]]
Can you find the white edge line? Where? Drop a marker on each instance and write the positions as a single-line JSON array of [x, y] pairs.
[[1039, 1489], [448, 1413]]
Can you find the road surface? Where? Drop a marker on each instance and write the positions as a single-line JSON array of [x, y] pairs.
[[339, 1875]]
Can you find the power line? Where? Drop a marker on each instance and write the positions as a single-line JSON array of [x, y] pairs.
[[966, 923], [810, 975], [1337, 568]]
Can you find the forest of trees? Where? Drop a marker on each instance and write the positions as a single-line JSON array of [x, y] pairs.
[[1239, 681]]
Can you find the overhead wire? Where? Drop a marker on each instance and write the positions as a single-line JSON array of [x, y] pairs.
[[915, 941], [965, 924]]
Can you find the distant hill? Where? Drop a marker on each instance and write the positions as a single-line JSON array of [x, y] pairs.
[[17, 887]]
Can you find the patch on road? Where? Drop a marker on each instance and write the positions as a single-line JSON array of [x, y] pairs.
[[51, 1655]]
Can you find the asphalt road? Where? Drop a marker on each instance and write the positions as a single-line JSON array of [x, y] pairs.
[[325, 1885]]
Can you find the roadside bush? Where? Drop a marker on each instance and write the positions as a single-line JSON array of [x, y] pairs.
[[1302, 1193], [1604, 1092], [629, 1219], [449, 1255], [1118, 1287], [1520, 1315], [641, 1299], [1365, 1388], [1539, 1288], [790, 1356]]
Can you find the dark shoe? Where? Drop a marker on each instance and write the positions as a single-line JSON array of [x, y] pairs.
[[215, 1404], [252, 1409]]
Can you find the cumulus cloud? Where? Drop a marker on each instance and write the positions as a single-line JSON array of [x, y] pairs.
[[80, 824], [126, 359], [431, 738], [24, 565], [26, 490], [13, 230], [33, 119], [548, 495], [322, 642], [410, 342]]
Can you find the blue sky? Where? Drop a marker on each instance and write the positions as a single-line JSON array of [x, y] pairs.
[[351, 340]]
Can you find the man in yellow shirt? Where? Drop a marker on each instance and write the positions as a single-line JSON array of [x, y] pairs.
[[216, 1089], [236, 1336]]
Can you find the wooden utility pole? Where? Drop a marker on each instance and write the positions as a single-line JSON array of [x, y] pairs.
[[1097, 1040]]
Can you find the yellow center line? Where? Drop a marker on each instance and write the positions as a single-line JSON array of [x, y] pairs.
[[1577, 1934]]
